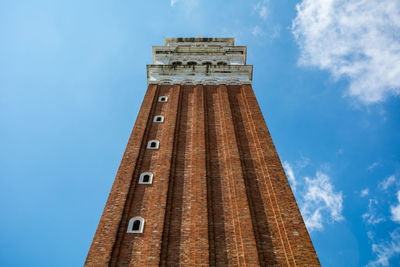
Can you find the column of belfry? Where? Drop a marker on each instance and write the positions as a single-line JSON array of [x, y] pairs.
[[200, 182]]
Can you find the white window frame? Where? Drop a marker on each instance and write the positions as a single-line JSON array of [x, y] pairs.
[[160, 99], [159, 116], [132, 221], [151, 141], [142, 175]]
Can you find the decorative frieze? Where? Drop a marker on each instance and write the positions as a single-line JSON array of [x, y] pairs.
[[199, 59]]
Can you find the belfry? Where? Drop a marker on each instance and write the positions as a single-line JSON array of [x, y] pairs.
[[200, 182]]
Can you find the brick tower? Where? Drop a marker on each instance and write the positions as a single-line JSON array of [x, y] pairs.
[[200, 183]]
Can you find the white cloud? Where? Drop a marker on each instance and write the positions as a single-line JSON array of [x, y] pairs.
[[290, 174], [257, 31], [263, 12], [302, 162], [373, 166], [386, 250], [188, 5], [371, 216], [320, 202], [261, 9], [364, 192], [387, 182], [371, 235], [173, 2], [395, 210], [354, 39], [276, 31]]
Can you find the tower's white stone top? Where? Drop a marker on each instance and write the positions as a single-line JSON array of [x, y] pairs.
[[199, 61], [199, 41]]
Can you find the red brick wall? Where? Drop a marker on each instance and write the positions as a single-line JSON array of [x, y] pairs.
[[219, 194]]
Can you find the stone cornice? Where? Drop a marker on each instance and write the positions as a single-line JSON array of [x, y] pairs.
[[229, 74]]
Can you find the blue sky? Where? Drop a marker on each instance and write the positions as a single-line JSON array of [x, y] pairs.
[[73, 75]]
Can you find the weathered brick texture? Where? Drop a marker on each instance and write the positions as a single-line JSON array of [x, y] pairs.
[[219, 195]]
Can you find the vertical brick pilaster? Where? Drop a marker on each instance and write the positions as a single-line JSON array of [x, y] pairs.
[[239, 234], [285, 253], [183, 202], [186, 240], [265, 212], [199, 212], [296, 243], [158, 198], [219, 209], [167, 234]]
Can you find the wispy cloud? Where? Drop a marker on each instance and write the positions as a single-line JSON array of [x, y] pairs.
[[364, 192], [261, 9], [371, 216], [173, 2], [302, 162], [318, 201], [354, 39], [321, 202], [387, 182], [371, 235], [276, 31], [188, 5], [373, 165], [290, 174], [257, 31], [263, 29], [395, 210], [386, 250]]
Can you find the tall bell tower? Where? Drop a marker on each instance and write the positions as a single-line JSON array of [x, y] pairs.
[[201, 183]]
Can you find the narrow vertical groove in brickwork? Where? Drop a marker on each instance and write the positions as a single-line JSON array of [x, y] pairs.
[[176, 252], [101, 250], [182, 227], [217, 237], [235, 238], [171, 185], [199, 214], [210, 201]]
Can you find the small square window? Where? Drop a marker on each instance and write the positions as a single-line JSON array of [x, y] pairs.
[[153, 144], [163, 99], [146, 178], [136, 225], [158, 119]]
